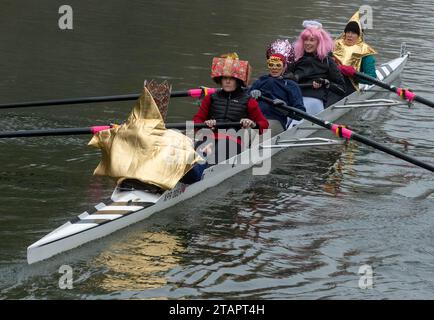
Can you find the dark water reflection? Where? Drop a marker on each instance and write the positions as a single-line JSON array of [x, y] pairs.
[[301, 232]]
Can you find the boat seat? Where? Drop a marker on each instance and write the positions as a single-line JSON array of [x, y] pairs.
[[133, 184]]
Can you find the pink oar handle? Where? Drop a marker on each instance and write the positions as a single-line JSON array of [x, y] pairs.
[[197, 93], [96, 129]]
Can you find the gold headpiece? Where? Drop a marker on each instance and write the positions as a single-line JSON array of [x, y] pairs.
[[230, 55]]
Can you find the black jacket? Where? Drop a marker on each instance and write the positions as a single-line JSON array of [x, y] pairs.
[[229, 106], [309, 68]]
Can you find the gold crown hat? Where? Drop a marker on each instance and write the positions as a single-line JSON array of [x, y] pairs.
[[352, 56], [229, 65]]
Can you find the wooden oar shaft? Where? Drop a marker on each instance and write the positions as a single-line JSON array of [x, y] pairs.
[[92, 130], [349, 134], [392, 88]]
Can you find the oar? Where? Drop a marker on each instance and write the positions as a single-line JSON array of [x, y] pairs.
[[95, 129], [403, 93], [194, 93], [305, 85], [346, 133]]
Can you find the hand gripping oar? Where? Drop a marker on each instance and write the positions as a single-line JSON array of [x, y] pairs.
[[405, 94], [95, 129], [194, 93], [343, 132]]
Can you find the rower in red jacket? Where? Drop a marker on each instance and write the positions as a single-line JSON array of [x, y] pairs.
[[230, 104]]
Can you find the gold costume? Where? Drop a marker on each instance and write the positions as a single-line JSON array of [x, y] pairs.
[[352, 55], [143, 149]]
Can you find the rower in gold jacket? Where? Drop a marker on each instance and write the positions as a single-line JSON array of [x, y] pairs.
[[351, 50]]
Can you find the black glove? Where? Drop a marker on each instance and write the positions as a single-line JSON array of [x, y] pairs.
[[323, 82]]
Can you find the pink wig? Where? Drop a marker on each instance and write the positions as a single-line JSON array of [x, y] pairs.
[[325, 42]]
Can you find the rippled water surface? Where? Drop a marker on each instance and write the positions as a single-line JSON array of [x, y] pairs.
[[301, 232]]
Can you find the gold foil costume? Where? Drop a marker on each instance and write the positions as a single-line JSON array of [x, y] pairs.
[[143, 149], [352, 55]]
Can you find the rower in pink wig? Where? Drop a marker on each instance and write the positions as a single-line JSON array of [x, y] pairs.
[[313, 65], [325, 41]]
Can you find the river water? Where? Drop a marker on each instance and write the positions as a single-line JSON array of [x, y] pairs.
[[301, 232]]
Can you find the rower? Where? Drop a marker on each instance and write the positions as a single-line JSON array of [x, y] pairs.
[[274, 86], [313, 65], [230, 104], [352, 52]]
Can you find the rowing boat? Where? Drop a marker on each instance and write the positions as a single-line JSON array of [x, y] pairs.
[[130, 204]]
